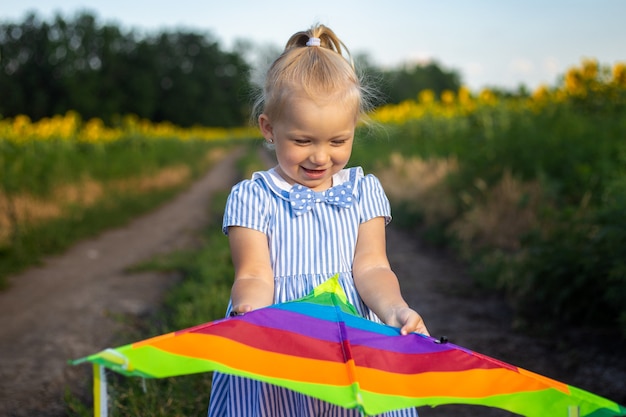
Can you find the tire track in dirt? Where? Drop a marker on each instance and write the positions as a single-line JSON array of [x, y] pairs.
[[70, 305], [442, 291]]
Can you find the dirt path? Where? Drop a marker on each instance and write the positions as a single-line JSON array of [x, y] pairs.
[[452, 306], [67, 307]]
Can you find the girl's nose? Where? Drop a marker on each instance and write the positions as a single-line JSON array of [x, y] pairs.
[[319, 157]]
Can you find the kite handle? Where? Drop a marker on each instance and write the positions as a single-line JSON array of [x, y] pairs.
[[100, 399], [442, 340]]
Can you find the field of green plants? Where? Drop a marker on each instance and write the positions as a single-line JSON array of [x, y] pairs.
[[530, 191]]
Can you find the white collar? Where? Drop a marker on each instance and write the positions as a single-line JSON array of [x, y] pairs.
[[281, 187]]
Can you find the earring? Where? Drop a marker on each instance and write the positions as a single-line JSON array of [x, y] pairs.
[[270, 140]]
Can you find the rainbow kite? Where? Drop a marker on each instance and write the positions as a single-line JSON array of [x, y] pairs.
[[319, 346]]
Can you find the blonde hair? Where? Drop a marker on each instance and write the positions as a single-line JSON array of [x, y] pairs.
[[324, 72]]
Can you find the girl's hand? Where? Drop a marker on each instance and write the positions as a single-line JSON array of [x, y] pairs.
[[408, 320]]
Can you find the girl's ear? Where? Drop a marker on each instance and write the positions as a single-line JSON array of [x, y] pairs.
[[266, 127]]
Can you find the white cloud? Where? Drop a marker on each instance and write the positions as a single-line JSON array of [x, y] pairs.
[[473, 69], [521, 66], [420, 58], [552, 65]]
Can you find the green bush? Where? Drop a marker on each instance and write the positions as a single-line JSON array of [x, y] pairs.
[[576, 272]]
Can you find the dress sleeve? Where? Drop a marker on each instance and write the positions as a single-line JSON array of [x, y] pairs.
[[246, 206], [373, 201]]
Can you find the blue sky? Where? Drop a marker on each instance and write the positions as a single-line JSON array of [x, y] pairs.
[[489, 42]]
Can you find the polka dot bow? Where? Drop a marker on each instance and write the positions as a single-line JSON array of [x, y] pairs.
[[303, 199]]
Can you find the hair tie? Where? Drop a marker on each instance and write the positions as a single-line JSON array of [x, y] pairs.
[[313, 42]]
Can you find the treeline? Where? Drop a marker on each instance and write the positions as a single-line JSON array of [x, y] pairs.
[[184, 77], [48, 68]]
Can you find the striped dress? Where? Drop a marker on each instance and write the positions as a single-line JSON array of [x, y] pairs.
[[305, 251]]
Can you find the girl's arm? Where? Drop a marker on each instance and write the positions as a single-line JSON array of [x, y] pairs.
[[254, 279], [377, 284]]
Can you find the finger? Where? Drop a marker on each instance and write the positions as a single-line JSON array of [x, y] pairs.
[[409, 327], [416, 326], [421, 328]]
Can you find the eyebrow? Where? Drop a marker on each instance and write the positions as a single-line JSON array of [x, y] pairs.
[[348, 134]]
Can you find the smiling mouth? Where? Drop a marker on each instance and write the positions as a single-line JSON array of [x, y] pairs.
[[314, 172]]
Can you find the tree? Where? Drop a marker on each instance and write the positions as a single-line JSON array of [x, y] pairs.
[[100, 71], [406, 82]]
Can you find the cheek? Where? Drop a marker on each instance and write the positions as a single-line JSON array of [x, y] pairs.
[[344, 155], [289, 156]]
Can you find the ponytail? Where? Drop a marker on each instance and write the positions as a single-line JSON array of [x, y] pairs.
[[317, 64]]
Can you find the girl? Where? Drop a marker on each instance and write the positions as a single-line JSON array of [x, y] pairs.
[[308, 218]]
